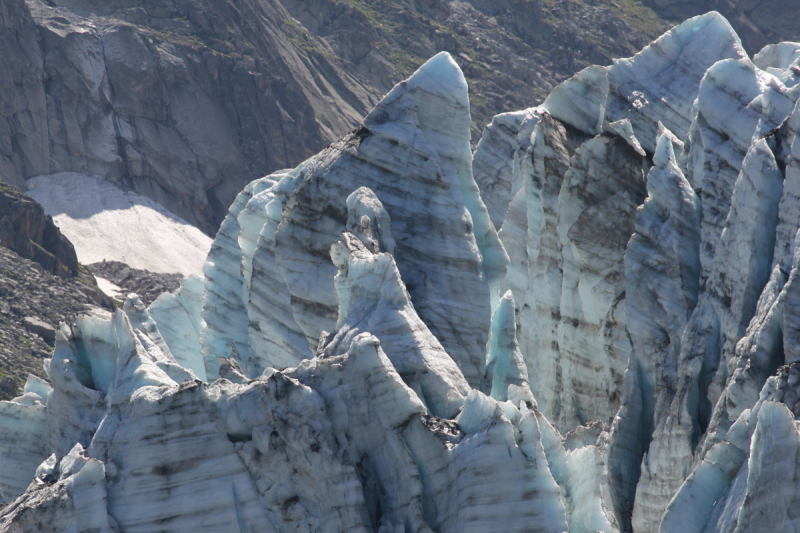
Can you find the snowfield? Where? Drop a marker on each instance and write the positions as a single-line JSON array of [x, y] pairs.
[[105, 222]]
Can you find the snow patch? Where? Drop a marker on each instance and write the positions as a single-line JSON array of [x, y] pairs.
[[109, 289], [105, 222]]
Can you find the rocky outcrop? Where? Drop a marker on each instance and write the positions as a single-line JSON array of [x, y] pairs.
[[23, 117], [25, 229], [147, 285], [41, 284], [32, 304]]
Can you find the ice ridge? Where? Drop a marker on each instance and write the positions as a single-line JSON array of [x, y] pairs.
[[590, 324]]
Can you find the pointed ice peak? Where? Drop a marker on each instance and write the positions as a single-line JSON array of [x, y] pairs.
[[710, 34], [140, 319], [72, 463], [364, 279], [478, 411], [665, 154], [732, 100], [434, 100], [624, 129], [373, 298], [441, 75], [713, 25], [368, 220], [229, 369], [661, 82], [506, 372], [438, 81], [669, 189], [178, 317], [677, 144], [38, 386]]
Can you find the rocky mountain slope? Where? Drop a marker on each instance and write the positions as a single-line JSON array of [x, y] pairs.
[[33, 303], [41, 285], [116, 88], [147, 285], [186, 101], [586, 325], [26, 230]]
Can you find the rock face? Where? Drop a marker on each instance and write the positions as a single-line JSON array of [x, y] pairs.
[[25, 229], [41, 284], [147, 285], [370, 353], [116, 90], [119, 91]]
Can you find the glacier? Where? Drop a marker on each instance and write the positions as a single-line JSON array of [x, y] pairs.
[[588, 324]]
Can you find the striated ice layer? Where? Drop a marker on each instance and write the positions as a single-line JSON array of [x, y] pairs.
[[179, 323], [276, 337], [752, 470], [413, 153], [712, 340], [224, 312], [534, 274], [736, 103], [497, 161], [694, 306], [662, 266], [269, 282], [23, 439], [345, 442], [70, 497], [372, 298], [597, 206], [566, 231], [506, 376], [571, 209], [734, 270], [657, 85], [781, 60]]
